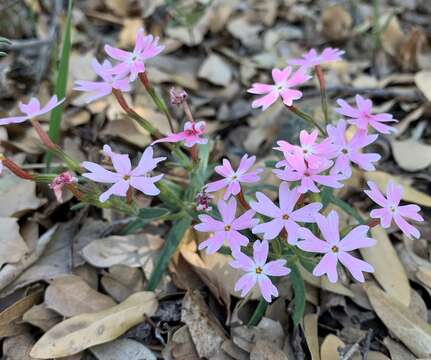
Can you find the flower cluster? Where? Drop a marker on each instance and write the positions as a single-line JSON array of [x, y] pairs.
[[266, 235]]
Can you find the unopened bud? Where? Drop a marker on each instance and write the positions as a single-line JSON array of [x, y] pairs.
[[178, 96]]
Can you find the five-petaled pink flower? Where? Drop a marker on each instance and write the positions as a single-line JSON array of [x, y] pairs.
[[315, 154], [284, 81], [350, 150], [132, 62], [59, 182], [362, 115], [99, 89], [312, 58], [124, 177], [31, 110], [284, 217], [226, 230], [233, 179], [297, 170], [391, 209], [336, 250], [258, 270], [191, 135]]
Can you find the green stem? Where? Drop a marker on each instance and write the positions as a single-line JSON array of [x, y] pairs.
[[258, 313], [307, 118]]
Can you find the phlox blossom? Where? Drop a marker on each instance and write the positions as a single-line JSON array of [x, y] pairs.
[[312, 58], [284, 81], [297, 170], [283, 216], [337, 250], [124, 176], [350, 150], [191, 135], [99, 89], [392, 210], [226, 230], [233, 178], [258, 270], [133, 62], [31, 110], [314, 153], [59, 182], [362, 116]]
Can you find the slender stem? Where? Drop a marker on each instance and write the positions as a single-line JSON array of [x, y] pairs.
[[306, 117], [187, 111], [129, 196], [16, 169], [240, 197], [194, 153], [321, 78], [156, 98], [258, 313]]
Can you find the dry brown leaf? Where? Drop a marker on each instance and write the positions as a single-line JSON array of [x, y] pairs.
[[123, 281], [137, 250], [123, 349], [9, 317], [245, 31], [128, 131], [205, 330], [128, 32], [424, 275], [41, 317], [411, 155], [17, 196], [83, 331], [70, 296], [12, 245], [423, 82], [392, 35], [18, 347], [371, 355], [310, 333], [181, 346], [265, 350], [330, 346], [413, 331], [337, 23], [388, 269], [398, 351], [410, 194], [216, 70]]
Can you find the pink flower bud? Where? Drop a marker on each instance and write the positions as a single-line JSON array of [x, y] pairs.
[[59, 182], [177, 96]]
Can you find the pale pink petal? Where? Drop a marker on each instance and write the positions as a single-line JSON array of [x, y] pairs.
[[216, 185], [381, 128], [276, 268], [384, 215], [365, 106], [329, 227], [327, 265], [289, 95], [147, 163], [394, 192], [208, 224], [307, 213], [260, 252], [375, 194], [411, 212], [119, 188], [355, 266], [227, 210], [267, 287], [246, 163], [270, 229], [243, 262], [213, 243], [116, 53], [311, 242], [280, 76], [265, 101], [299, 77], [356, 239], [31, 108], [13, 120], [265, 206], [408, 229], [235, 240], [225, 170], [99, 174], [146, 184], [233, 188], [288, 198], [245, 221], [260, 89], [245, 283], [346, 109]]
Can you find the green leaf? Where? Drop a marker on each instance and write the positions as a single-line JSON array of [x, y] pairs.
[[347, 208], [61, 83], [145, 216], [200, 174], [258, 313], [173, 239], [170, 194], [299, 291]]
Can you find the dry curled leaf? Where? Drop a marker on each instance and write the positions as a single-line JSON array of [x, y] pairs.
[[330, 348], [83, 331], [216, 70], [388, 269], [12, 245], [413, 331], [411, 155], [337, 23], [310, 333], [123, 349]]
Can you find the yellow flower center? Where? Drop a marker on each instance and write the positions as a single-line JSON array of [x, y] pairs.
[[259, 270], [334, 249], [126, 177], [227, 228], [285, 217]]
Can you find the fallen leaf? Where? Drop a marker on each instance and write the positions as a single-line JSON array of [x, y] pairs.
[[410, 194], [371, 355], [411, 155], [17, 196], [216, 70], [137, 250], [413, 331], [181, 346], [12, 245], [423, 82], [245, 31], [41, 317], [123, 349], [397, 350], [388, 269], [310, 333], [18, 347], [128, 131], [337, 22], [86, 330], [127, 34], [205, 330], [265, 350], [122, 281], [392, 36], [70, 296], [330, 346]]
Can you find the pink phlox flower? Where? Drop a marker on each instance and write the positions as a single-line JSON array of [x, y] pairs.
[[233, 179], [258, 270], [315, 154], [133, 62], [336, 250], [350, 150], [191, 135], [284, 81], [203, 201], [362, 115], [312, 58], [59, 182], [284, 216], [124, 176], [226, 230], [297, 170], [392, 210], [31, 110], [99, 89]]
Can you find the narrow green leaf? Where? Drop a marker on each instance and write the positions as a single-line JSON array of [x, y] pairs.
[[173, 239], [299, 291], [258, 313], [61, 83], [152, 213]]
